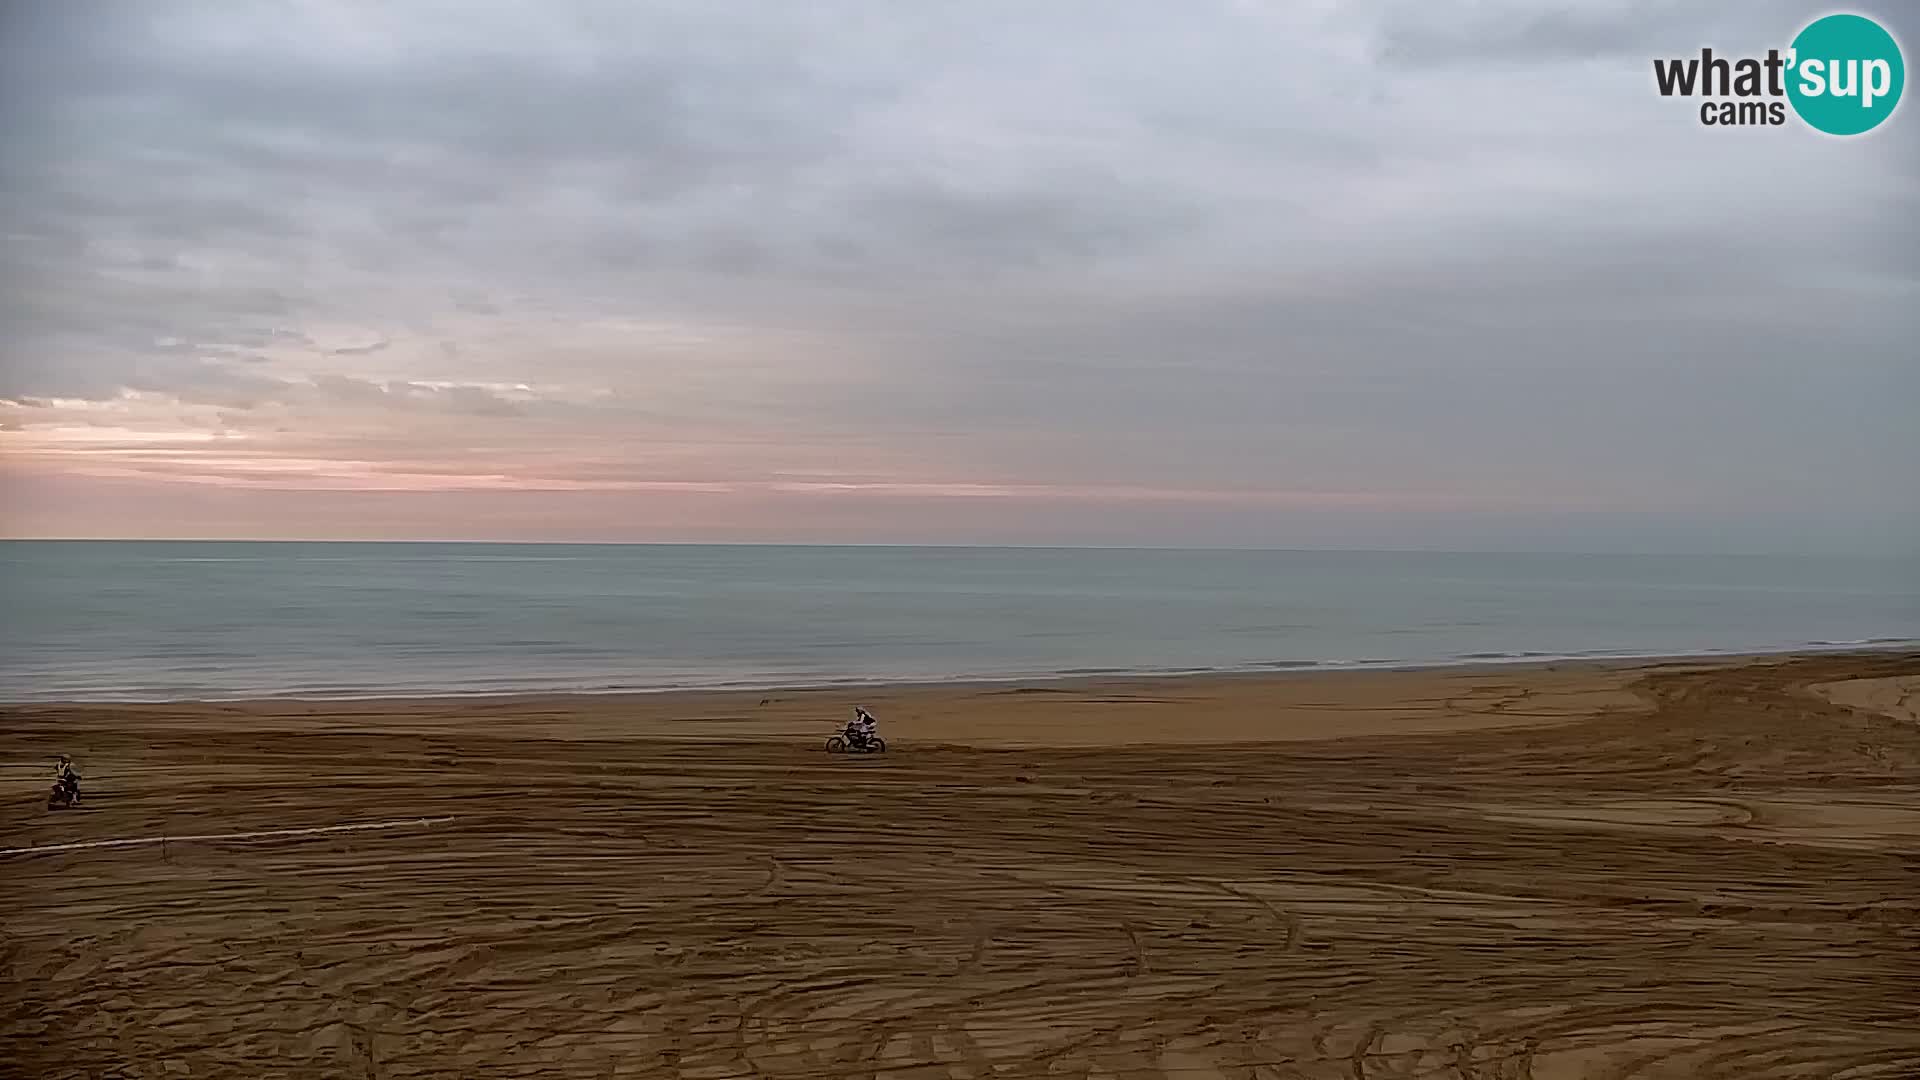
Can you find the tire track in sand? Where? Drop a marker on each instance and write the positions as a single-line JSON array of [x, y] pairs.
[[1140, 911]]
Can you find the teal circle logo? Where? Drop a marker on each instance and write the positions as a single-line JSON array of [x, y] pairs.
[[1845, 74]]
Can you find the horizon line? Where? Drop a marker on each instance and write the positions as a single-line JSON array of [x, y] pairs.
[[895, 545]]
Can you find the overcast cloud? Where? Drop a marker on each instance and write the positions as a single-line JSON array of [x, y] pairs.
[[1385, 274]]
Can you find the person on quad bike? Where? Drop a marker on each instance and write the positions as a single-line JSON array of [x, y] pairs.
[[862, 728]]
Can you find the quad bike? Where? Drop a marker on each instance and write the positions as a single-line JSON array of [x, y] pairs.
[[849, 743], [65, 793]]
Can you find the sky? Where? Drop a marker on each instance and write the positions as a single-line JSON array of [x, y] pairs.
[[1385, 274]]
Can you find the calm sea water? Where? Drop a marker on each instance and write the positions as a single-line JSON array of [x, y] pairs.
[[191, 619]]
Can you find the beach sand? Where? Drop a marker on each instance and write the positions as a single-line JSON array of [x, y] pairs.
[[1672, 870]]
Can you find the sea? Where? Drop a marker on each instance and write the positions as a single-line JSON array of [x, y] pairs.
[[139, 620]]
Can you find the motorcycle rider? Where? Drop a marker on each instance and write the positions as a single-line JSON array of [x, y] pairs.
[[862, 728], [66, 776]]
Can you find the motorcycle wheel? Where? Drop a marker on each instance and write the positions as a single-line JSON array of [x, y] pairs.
[[836, 745], [876, 745]]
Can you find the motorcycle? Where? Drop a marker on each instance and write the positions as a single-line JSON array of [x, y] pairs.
[[850, 742], [66, 792]]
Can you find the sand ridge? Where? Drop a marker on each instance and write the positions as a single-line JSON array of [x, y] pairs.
[[1695, 870], [1896, 696]]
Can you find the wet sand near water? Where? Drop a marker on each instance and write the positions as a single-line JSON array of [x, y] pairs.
[[1577, 871]]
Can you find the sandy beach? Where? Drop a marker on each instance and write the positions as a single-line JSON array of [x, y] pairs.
[[1662, 870]]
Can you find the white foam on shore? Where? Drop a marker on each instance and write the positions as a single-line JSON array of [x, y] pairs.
[[266, 834]]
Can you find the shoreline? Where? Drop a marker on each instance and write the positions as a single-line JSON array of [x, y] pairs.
[[883, 685], [1087, 712]]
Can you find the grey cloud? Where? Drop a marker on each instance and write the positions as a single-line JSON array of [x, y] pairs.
[[1079, 218], [460, 400], [205, 382], [202, 382], [1086, 243], [1530, 35], [1422, 34]]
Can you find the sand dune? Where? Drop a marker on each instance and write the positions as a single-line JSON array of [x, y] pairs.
[[1672, 871], [1896, 696]]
